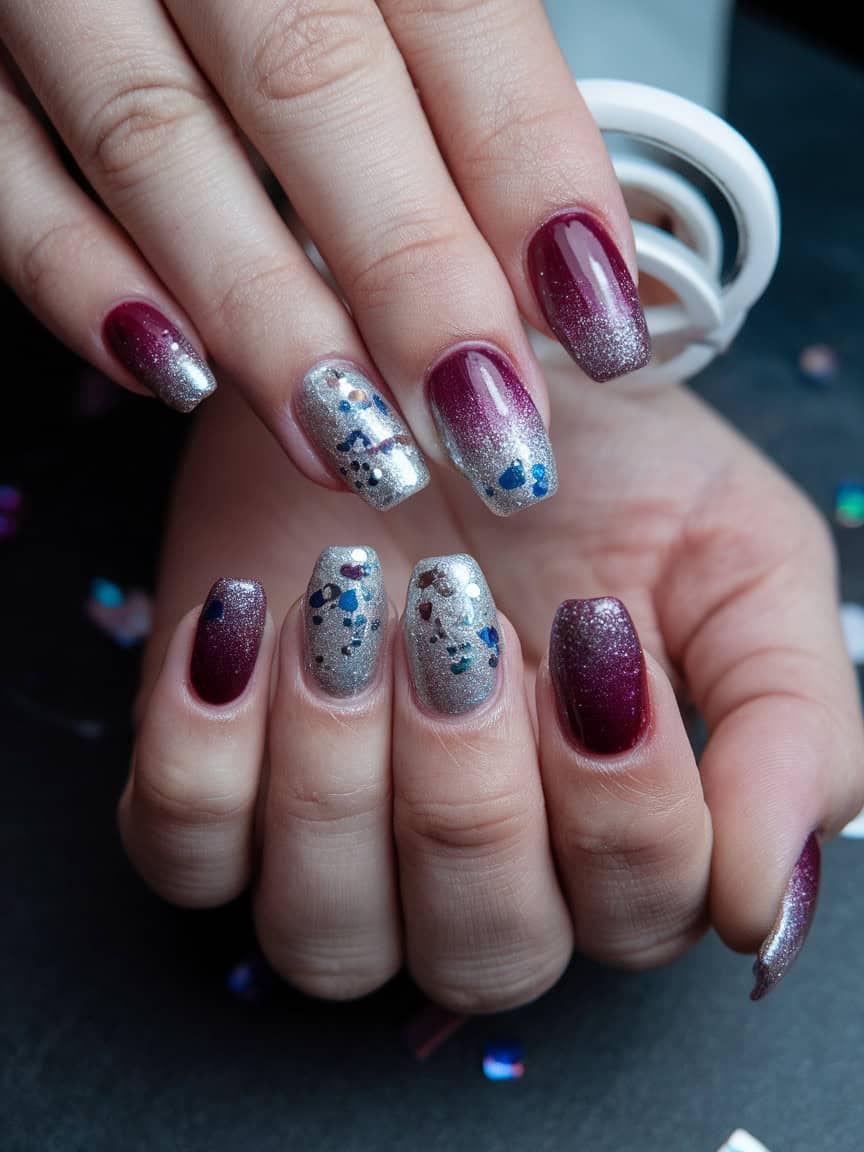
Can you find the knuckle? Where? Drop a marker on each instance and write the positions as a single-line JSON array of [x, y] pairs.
[[408, 257], [253, 293], [494, 988], [329, 966], [308, 47], [514, 138], [333, 804], [473, 828], [424, 9], [62, 245], [128, 134], [173, 798]]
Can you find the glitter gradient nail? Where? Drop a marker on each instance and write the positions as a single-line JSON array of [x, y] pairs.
[[361, 434], [451, 634], [491, 429], [588, 295], [227, 640], [786, 938], [598, 671], [158, 355], [345, 615]]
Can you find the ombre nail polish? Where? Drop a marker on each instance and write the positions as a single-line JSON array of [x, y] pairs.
[[345, 617], [598, 671], [227, 640], [361, 434], [786, 938], [588, 296], [158, 355], [451, 634], [491, 429]]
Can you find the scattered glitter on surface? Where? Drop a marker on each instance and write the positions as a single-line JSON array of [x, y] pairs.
[[598, 671], [361, 435], [588, 296], [491, 429], [818, 363], [342, 612], [503, 1061], [786, 938], [451, 634], [158, 356], [227, 641], [849, 503]]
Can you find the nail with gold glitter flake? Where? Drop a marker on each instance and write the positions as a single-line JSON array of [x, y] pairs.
[[451, 634], [361, 434], [345, 615], [158, 355]]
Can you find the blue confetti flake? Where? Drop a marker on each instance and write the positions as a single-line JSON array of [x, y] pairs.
[[512, 477], [106, 593], [348, 601]]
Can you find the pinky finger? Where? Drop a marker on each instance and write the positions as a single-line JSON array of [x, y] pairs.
[[187, 814], [75, 269]]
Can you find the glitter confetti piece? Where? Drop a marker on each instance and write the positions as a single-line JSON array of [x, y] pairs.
[[126, 618], [818, 363], [429, 1029], [849, 503], [503, 1061], [250, 979], [741, 1141]]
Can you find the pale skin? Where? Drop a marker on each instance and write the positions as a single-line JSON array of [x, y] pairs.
[[513, 846]]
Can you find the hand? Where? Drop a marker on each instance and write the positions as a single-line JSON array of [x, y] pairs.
[[520, 830], [432, 207]]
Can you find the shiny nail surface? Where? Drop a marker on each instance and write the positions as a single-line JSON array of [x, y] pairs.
[[451, 634], [158, 355], [227, 640], [345, 616], [786, 938], [491, 429], [588, 296], [361, 434], [598, 671]]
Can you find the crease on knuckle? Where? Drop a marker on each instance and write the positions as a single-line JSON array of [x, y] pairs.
[[354, 807], [474, 828], [424, 9], [484, 987], [176, 799], [422, 253], [61, 245], [307, 48], [130, 131], [515, 140], [254, 291]]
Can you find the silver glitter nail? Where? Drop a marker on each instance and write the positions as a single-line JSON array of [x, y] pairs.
[[345, 614], [361, 434], [451, 634]]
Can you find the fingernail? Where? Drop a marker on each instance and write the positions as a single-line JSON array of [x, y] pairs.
[[451, 634], [345, 614], [158, 355], [786, 938], [227, 640], [598, 670], [588, 296], [361, 434], [491, 429]]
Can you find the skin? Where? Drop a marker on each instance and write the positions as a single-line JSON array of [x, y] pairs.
[[513, 845]]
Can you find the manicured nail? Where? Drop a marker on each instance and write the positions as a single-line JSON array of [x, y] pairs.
[[345, 614], [361, 434], [491, 429], [158, 355], [598, 670], [226, 645], [588, 296], [786, 938], [451, 634]]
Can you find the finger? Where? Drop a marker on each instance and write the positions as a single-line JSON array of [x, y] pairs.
[[326, 907], [322, 91], [186, 815], [532, 168], [158, 148], [71, 265], [485, 923], [629, 825], [749, 611]]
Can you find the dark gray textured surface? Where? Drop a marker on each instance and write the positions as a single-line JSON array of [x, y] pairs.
[[117, 1030]]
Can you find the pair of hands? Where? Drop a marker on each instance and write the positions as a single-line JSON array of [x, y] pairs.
[[480, 848]]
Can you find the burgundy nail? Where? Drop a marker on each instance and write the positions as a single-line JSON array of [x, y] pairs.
[[588, 296], [227, 640], [598, 670], [786, 938], [491, 429], [158, 355]]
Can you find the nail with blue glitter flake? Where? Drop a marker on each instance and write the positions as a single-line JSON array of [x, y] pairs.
[[227, 640], [345, 614], [491, 428]]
